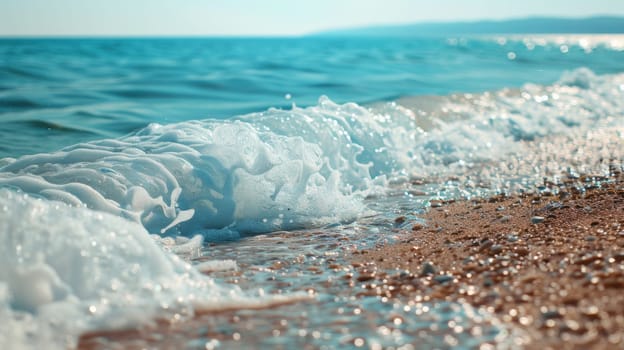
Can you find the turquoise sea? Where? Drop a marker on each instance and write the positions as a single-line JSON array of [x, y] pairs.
[[75, 90], [145, 179]]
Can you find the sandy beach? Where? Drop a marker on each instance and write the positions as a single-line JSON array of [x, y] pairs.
[[550, 265]]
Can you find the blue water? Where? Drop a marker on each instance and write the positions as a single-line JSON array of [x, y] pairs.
[[64, 91], [125, 164]]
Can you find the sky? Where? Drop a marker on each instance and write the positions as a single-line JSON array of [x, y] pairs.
[[263, 17]]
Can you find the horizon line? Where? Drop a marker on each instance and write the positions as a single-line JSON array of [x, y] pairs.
[[307, 34]]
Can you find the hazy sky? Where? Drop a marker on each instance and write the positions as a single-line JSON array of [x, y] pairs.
[[263, 17]]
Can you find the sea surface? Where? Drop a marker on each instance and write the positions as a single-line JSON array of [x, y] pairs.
[[220, 184]]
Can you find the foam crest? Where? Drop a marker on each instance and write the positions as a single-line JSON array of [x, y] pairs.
[[274, 170]]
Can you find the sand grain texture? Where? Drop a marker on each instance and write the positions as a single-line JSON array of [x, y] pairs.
[[551, 265]]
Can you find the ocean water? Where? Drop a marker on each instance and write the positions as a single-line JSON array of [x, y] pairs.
[[145, 179]]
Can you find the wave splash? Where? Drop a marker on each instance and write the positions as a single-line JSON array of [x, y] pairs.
[[286, 169], [87, 270], [273, 170]]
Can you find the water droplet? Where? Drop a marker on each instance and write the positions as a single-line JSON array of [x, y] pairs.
[[358, 342], [212, 344]]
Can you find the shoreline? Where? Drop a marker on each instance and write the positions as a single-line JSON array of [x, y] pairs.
[[551, 266], [547, 270]]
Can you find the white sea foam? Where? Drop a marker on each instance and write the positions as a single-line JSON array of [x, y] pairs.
[[66, 270], [469, 128]]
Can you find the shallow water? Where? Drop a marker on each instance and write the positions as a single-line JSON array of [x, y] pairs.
[[284, 194]]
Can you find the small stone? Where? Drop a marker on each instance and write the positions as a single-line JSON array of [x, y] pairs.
[[469, 259], [443, 278], [548, 315], [590, 238], [399, 220], [505, 218], [436, 203], [571, 299], [278, 265], [553, 206], [522, 251], [486, 244], [428, 269], [365, 277], [537, 219], [497, 248], [512, 238]]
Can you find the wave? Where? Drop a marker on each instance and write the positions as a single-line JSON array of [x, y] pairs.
[[286, 169], [279, 169]]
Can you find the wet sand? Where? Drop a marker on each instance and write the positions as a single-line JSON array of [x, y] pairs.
[[551, 266]]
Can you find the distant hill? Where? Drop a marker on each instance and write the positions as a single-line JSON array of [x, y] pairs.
[[537, 25]]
